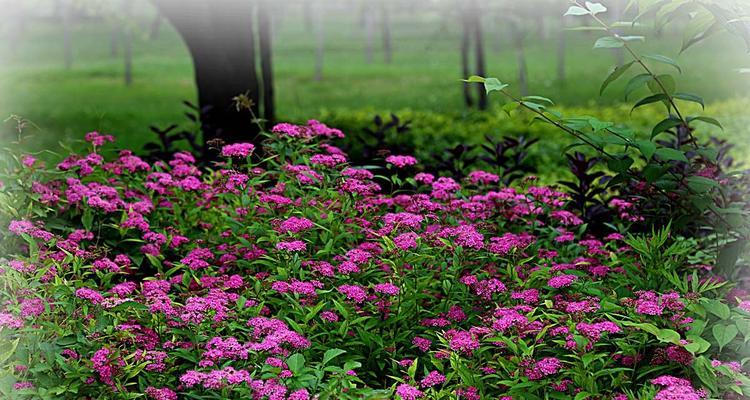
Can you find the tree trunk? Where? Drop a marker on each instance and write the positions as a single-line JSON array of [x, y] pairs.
[[67, 21], [264, 41], [369, 34], [319, 43], [561, 38], [616, 16], [307, 15], [155, 27], [523, 85], [479, 50], [385, 25], [221, 41], [127, 43], [465, 69]]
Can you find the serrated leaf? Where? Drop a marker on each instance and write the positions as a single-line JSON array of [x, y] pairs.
[[614, 75]]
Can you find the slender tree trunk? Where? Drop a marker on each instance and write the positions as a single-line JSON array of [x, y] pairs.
[[67, 22], [465, 69], [114, 41], [561, 44], [369, 34], [616, 16], [523, 84], [320, 41], [127, 43], [476, 26], [221, 40], [307, 15], [385, 25], [155, 27], [266, 67]]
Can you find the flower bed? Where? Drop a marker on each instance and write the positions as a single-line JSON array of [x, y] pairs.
[[299, 276]]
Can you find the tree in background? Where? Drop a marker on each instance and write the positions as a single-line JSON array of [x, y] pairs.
[[471, 27], [221, 38]]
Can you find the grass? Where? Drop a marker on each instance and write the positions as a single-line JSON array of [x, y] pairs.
[[63, 104]]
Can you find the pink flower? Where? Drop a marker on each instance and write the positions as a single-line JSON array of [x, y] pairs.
[[560, 281], [408, 392], [237, 150], [291, 246], [401, 161], [434, 378]]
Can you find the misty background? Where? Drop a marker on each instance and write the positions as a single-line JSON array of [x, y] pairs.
[[71, 66]]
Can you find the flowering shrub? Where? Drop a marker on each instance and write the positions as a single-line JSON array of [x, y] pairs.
[[299, 277]]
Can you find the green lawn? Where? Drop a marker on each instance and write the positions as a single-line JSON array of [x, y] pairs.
[[64, 104]]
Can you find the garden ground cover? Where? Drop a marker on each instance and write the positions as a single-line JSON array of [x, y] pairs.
[[300, 276]]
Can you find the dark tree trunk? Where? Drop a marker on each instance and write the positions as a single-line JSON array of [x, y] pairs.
[[385, 25], [476, 25], [264, 41], [465, 68], [219, 35]]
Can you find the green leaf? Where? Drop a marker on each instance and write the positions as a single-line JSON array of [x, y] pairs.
[[331, 354], [668, 336], [724, 334], [664, 125], [701, 184], [599, 125], [493, 84], [620, 165], [635, 83], [595, 8], [608, 42], [709, 120], [705, 372], [697, 344], [474, 79], [633, 38], [664, 60], [614, 75], [646, 147], [538, 98], [650, 99], [296, 362], [668, 154], [666, 81], [575, 10], [690, 97], [717, 308]]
